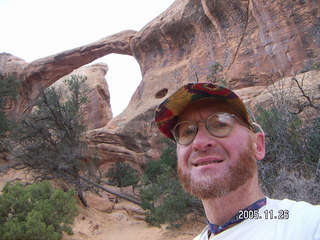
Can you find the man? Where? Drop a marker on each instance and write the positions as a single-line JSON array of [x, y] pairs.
[[218, 146]]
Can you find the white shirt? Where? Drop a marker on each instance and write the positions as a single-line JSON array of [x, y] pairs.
[[291, 220]]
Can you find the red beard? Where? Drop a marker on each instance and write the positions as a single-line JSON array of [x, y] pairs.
[[233, 179]]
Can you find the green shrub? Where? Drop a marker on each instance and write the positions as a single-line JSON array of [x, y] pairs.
[[36, 212], [121, 174], [155, 168], [162, 195]]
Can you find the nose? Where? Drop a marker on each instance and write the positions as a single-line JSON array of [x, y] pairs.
[[203, 139]]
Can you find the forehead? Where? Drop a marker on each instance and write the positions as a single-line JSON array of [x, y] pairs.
[[205, 107]]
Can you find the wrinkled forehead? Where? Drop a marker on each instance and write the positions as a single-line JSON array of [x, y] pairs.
[[203, 108]]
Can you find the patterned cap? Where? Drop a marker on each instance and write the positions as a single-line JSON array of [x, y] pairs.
[[167, 113]]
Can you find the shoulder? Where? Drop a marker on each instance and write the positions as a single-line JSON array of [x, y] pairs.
[[300, 215], [294, 206]]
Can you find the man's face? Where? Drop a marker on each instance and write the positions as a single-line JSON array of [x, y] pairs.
[[211, 167]]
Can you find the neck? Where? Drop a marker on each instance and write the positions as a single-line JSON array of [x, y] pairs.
[[219, 210]]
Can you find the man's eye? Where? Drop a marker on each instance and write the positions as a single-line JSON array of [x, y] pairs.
[[217, 124], [221, 125], [188, 132]]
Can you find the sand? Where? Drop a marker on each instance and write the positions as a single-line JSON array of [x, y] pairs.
[[92, 224]]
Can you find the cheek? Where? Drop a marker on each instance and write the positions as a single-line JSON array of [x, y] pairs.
[[237, 146], [182, 154]]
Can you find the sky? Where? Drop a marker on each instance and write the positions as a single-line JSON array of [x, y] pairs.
[[33, 29]]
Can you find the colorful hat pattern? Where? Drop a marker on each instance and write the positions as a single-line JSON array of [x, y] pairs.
[[167, 113]]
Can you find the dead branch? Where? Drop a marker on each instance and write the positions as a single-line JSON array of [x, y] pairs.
[[310, 101], [110, 191]]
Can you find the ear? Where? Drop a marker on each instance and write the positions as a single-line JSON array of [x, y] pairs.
[[259, 145]]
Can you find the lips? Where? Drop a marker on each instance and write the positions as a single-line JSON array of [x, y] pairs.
[[203, 163]]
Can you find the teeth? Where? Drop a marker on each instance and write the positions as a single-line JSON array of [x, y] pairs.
[[206, 163]]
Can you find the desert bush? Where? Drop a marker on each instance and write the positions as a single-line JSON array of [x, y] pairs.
[[121, 174], [284, 135], [155, 168], [214, 73], [292, 146], [312, 156], [36, 212], [162, 195]]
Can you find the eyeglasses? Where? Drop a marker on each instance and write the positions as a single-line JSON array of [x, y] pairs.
[[218, 124]]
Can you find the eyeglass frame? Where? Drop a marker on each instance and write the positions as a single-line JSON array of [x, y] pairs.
[[205, 122]]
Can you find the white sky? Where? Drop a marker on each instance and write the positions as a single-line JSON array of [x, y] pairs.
[[32, 29]]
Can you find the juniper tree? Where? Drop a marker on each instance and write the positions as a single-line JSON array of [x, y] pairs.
[[50, 138]]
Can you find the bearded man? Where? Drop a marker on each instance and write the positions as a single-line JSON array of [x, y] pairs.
[[218, 146]]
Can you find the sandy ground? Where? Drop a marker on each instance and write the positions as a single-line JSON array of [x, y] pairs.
[[92, 224]]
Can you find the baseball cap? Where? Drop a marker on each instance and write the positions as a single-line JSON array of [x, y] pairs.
[[168, 112]]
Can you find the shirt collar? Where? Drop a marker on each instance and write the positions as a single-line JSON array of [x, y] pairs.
[[215, 229]]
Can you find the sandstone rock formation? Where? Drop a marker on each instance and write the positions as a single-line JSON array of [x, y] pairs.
[[98, 109], [42, 73], [256, 41]]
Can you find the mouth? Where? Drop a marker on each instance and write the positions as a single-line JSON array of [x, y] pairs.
[[207, 163]]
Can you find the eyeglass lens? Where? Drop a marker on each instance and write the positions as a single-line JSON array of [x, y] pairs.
[[218, 124]]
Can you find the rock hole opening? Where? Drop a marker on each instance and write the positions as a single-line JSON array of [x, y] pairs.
[[123, 78], [162, 93]]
